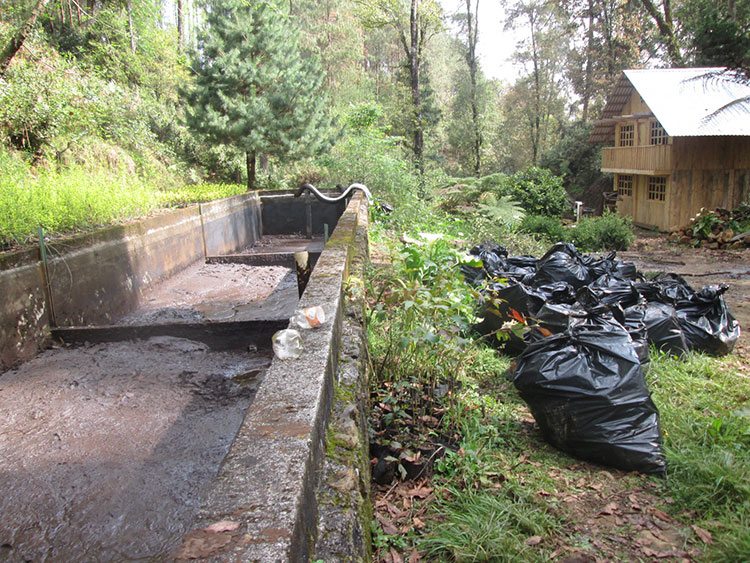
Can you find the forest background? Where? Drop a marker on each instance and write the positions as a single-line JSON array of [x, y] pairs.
[[103, 104]]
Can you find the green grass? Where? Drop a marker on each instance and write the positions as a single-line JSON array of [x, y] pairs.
[[78, 199], [488, 526], [705, 415]]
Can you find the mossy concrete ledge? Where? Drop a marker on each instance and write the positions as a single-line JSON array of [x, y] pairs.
[[264, 503]]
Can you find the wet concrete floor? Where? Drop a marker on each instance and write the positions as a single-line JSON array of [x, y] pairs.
[[220, 293], [107, 448]]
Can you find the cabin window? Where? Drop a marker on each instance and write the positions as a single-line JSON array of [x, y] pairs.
[[658, 134], [625, 185], [657, 188], [627, 135]]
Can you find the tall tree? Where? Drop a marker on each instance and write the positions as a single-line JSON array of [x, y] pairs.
[[665, 23], [542, 54], [253, 88], [415, 22], [17, 39], [469, 20], [610, 36]]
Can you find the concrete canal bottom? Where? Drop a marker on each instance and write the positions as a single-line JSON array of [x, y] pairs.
[[108, 448]]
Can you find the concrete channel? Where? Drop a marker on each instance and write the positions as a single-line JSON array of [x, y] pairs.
[[143, 416]]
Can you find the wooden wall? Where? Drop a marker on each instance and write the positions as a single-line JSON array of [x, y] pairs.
[[711, 153]]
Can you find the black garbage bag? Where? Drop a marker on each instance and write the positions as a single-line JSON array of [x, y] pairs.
[[558, 292], [635, 324], [664, 329], [493, 260], [706, 322], [665, 288], [562, 263], [497, 265], [556, 318], [610, 265], [586, 390], [609, 290]]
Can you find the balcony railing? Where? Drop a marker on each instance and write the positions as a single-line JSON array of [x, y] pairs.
[[649, 159]]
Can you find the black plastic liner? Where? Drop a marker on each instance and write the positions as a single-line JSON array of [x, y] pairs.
[[586, 390]]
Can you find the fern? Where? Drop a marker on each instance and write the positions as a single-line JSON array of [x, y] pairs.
[[502, 209]]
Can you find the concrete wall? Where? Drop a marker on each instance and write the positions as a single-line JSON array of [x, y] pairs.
[[290, 503], [98, 277]]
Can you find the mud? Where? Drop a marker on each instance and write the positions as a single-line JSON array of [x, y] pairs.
[[219, 293], [107, 449]]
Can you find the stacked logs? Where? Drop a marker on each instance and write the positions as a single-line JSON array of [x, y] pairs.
[[715, 229]]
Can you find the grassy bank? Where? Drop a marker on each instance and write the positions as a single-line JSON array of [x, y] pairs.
[[77, 198]]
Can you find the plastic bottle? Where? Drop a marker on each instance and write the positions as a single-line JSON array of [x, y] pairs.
[[287, 344], [311, 317]]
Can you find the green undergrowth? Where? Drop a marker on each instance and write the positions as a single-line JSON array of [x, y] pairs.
[[499, 490], [78, 199]]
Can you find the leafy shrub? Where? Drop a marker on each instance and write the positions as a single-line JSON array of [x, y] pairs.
[[608, 232], [551, 228], [538, 190]]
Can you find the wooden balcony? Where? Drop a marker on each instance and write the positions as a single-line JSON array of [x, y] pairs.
[[649, 159]]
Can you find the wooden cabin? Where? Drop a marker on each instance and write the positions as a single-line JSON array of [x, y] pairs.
[[679, 141]]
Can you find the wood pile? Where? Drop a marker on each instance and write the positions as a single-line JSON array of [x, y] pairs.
[[717, 229]]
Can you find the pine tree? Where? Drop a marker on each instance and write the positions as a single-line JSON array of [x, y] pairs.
[[254, 90]]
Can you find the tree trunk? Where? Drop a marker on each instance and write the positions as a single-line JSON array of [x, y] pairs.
[[15, 42], [537, 118], [180, 32], [416, 94], [250, 164], [589, 64], [666, 29], [131, 32], [473, 37]]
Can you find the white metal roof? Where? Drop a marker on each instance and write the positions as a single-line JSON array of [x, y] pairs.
[[688, 102], [695, 101]]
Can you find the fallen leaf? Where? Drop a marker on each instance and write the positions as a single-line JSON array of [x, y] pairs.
[[419, 492], [388, 527], [661, 515], [394, 510], [418, 524], [609, 509], [533, 540], [704, 535], [543, 493], [223, 526], [396, 556], [414, 556]]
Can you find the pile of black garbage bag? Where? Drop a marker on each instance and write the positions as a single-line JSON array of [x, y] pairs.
[[589, 321]]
